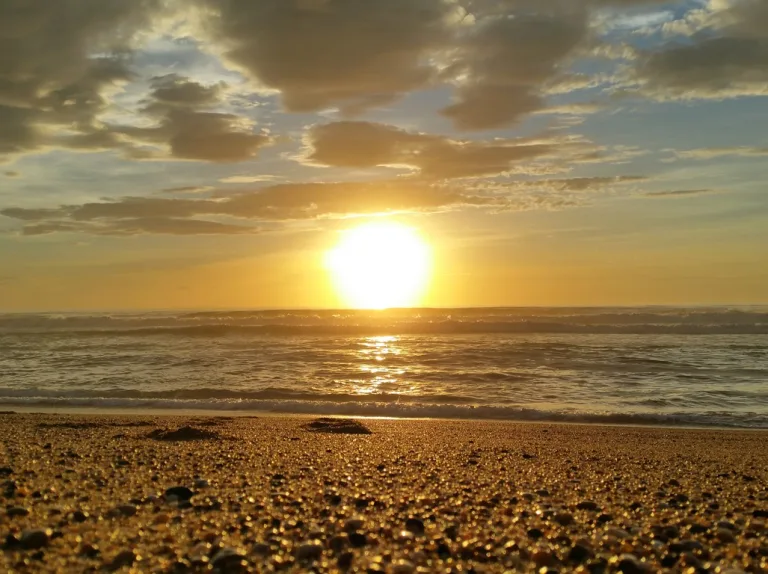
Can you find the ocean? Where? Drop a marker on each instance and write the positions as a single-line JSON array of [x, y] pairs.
[[655, 366]]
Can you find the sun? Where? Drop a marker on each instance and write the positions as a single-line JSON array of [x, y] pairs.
[[380, 265]]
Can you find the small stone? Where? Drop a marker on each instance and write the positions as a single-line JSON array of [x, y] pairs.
[[345, 560], [629, 564], [579, 553], [543, 558], [89, 550], [353, 524], [535, 533], [617, 533], [403, 567], [127, 510], [161, 518], [6, 471], [179, 493], [309, 552], [357, 539], [564, 518], [725, 535], [125, 558], [261, 549], [34, 539], [229, 560], [17, 511], [79, 516], [727, 525], [338, 543], [603, 518], [760, 513], [414, 525], [587, 505], [201, 483]]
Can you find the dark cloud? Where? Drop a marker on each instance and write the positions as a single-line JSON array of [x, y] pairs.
[[11, 173], [678, 193], [296, 201], [140, 226], [365, 144], [729, 59], [132, 215], [48, 72], [320, 53], [30, 214], [187, 129], [715, 152], [505, 62], [187, 189], [578, 184]]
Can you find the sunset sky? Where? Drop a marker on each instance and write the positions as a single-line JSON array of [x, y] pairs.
[[209, 153]]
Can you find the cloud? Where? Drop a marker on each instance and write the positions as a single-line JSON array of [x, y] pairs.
[[716, 152], [678, 193], [11, 173], [188, 130], [323, 53], [353, 144], [187, 189], [504, 64], [59, 58], [140, 226], [728, 59], [299, 201], [248, 178], [131, 215]]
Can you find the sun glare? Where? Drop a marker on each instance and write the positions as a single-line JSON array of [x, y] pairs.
[[380, 265]]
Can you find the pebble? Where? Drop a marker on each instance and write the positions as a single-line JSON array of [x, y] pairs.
[[17, 511], [353, 524], [34, 539], [338, 543], [179, 493], [79, 516], [309, 551], [357, 539], [725, 535], [403, 567], [564, 518], [535, 533], [727, 525], [125, 558], [414, 525], [587, 505], [579, 553], [629, 564], [127, 510], [201, 483], [345, 560], [229, 560]]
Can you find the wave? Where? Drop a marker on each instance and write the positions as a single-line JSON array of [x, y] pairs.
[[682, 321], [442, 328], [709, 419]]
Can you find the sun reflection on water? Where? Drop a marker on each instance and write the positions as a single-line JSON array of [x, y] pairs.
[[380, 377]]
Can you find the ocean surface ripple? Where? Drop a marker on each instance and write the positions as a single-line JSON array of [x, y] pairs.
[[657, 366]]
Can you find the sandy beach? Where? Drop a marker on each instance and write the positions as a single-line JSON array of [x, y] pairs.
[[146, 493]]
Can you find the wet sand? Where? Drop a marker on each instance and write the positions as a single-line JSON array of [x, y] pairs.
[[193, 494]]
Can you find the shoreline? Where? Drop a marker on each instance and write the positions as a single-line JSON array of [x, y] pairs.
[[151, 493], [15, 408]]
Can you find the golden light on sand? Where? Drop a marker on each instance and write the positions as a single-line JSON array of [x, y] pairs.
[[380, 265]]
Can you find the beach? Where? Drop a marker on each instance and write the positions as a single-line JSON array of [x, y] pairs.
[[150, 493]]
